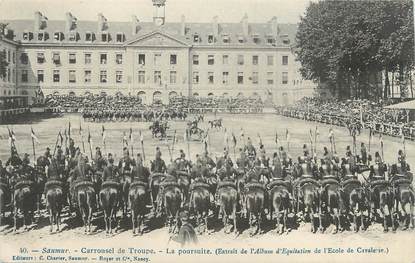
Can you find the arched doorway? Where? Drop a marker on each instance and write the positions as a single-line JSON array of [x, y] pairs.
[[103, 94], [285, 99], [195, 94], [210, 95], [71, 93], [142, 96], [172, 94], [157, 97]]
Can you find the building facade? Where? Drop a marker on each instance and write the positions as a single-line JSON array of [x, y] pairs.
[[158, 60]]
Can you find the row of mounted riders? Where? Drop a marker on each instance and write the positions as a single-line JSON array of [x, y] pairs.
[[329, 193], [110, 115]]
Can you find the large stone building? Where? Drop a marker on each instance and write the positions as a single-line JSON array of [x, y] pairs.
[[156, 60]]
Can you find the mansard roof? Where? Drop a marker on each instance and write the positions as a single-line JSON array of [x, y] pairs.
[[233, 31]]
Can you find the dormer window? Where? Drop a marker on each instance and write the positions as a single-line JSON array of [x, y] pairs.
[[196, 38], [286, 41], [211, 39], [42, 36], [58, 36], [226, 39], [73, 36], [120, 37], [89, 36], [27, 36], [270, 40], [255, 38], [241, 39], [105, 37]]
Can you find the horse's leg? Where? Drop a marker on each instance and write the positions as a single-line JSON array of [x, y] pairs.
[[58, 219], [235, 227], [110, 219], [285, 219], [405, 215], [89, 218], [133, 218], [51, 220], [385, 219], [15, 219], [206, 221], [355, 211], [336, 217], [277, 211]]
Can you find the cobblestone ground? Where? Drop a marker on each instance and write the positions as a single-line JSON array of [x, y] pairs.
[[399, 244]]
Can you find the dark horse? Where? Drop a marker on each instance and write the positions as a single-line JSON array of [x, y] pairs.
[[354, 201], [109, 196], [172, 200], [155, 187], [54, 202], [255, 204], [137, 197], [308, 196], [86, 200], [4, 197], [279, 195], [228, 198], [381, 198], [404, 197], [23, 200], [200, 203], [330, 196]]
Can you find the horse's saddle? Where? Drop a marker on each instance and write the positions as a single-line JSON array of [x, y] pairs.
[[379, 182], [110, 183], [81, 183], [53, 184], [223, 184], [138, 183], [23, 183], [401, 180], [308, 180], [350, 181], [279, 182], [199, 184], [169, 183], [255, 185], [329, 180]]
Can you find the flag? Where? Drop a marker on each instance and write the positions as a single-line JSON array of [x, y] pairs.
[[242, 133], [331, 134], [233, 140], [124, 139], [103, 134], [287, 135], [69, 130], [12, 138], [260, 140], [185, 135], [90, 140], [402, 136], [66, 136], [34, 137], [60, 137], [141, 137], [276, 137], [317, 133], [131, 137], [381, 138], [226, 138], [311, 137]]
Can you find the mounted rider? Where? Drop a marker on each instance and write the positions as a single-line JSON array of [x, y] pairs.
[[14, 161], [126, 163], [181, 163], [378, 169], [158, 165], [111, 172], [250, 149]]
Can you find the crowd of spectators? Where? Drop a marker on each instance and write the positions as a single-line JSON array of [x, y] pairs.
[[344, 112]]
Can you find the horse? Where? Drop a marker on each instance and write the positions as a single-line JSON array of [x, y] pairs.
[[184, 182], [4, 197], [330, 196], [109, 196], [23, 200], [54, 202], [86, 201], [217, 123], [404, 196], [137, 196], [200, 203], [309, 197], [154, 188], [279, 195], [255, 204], [381, 198], [172, 200], [354, 200], [126, 182], [228, 199]]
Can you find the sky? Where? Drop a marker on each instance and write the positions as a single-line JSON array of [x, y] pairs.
[[287, 11]]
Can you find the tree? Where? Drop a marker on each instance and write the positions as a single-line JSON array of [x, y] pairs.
[[3, 61]]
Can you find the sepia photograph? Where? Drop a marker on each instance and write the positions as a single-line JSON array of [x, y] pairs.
[[207, 131]]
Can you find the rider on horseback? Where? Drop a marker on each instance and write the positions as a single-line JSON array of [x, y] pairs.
[[250, 149], [377, 171], [181, 163], [111, 172], [158, 165], [126, 163]]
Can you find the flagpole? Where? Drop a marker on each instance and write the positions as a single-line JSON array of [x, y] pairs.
[[56, 143], [174, 141], [34, 151], [142, 146], [89, 142]]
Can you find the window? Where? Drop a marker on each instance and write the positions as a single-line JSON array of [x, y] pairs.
[[14, 57], [103, 76], [40, 58], [225, 77], [226, 39], [256, 40], [103, 59], [58, 36], [120, 37], [157, 77], [157, 59], [118, 76], [173, 77], [211, 59], [142, 77], [271, 40], [72, 76], [73, 36], [285, 60], [27, 36], [56, 76], [118, 59], [56, 58], [173, 59], [41, 36], [72, 58], [105, 37], [210, 78], [195, 77], [87, 76], [40, 76], [270, 60], [24, 59], [240, 78], [240, 59], [270, 78], [285, 78], [195, 59], [211, 39], [254, 77], [88, 58], [241, 39], [141, 59], [254, 60], [225, 59], [8, 56], [89, 37], [8, 75], [286, 41], [24, 76]]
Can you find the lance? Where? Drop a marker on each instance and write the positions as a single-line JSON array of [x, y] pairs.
[[188, 144], [370, 137], [174, 140], [89, 142], [56, 143], [34, 151], [142, 146]]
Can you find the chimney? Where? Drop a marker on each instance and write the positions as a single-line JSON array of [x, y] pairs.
[[274, 26], [102, 23], [245, 25], [70, 22], [38, 21], [134, 24], [215, 26], [183, 26]]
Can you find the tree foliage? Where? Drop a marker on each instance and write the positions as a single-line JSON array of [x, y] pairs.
[[3, 61], [347, 44]]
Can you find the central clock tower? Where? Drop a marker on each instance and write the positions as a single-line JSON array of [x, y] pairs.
[[159, 15]]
